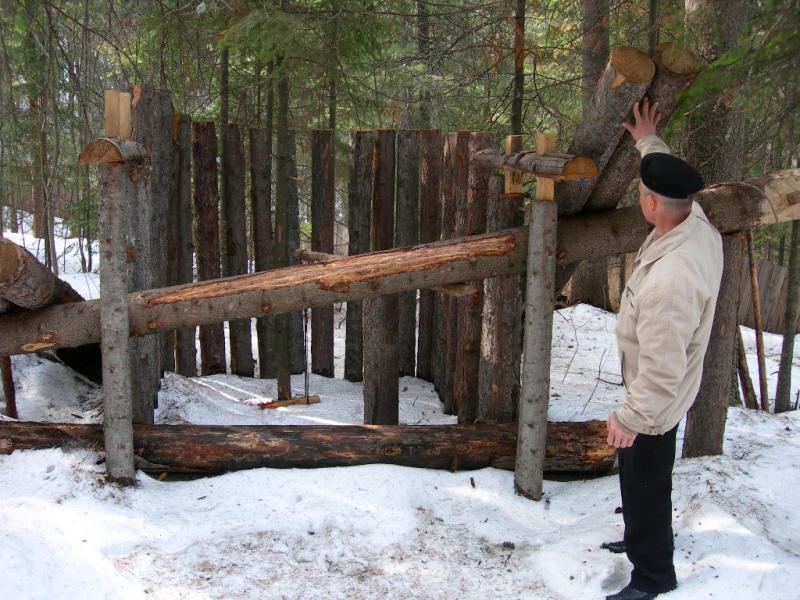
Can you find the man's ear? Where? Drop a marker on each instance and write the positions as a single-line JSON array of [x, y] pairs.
[[652, 202]]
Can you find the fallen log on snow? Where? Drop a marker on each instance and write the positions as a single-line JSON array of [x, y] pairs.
[[571, 447], [773, 198]]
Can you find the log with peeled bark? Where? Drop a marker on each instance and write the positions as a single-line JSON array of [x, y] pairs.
[[623, 82], [571, 447], [567, 166], [731, 207]]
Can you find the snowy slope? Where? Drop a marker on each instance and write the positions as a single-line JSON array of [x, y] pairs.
[[384, 531]]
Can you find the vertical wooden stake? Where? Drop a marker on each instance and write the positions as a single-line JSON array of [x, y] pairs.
[[513, 179], [9, 393], [535, 393], [762, 365]]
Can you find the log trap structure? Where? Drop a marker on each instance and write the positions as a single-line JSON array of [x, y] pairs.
[[438, 214]]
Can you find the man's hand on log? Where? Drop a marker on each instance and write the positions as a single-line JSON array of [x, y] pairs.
[[645, 121], [619, 436]]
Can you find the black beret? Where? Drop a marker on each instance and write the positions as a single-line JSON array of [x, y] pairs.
[[669, 176]]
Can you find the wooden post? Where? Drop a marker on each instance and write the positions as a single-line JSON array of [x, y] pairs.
[[407, 234], [381, 368], [535, 392], [359, 194], [206, 211], [429, 229], [123, 183], [501, 340], [185, 344], [9, 392], [756, 296], [471, 221], [261, 215], [322, 226], [235, 256]]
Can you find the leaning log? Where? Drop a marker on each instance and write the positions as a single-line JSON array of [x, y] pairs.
[[730, 207], [571, 447], [567, 166], [26, 282]]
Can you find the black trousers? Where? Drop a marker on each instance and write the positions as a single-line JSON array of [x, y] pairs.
[[645, 481]]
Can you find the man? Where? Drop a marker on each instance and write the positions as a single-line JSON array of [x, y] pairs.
[[663, 328]]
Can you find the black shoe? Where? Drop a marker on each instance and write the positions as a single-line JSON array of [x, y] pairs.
[[615, 547], [631, 593]]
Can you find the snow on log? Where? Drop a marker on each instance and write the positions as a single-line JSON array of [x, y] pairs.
[[571, 447], [731, 207]]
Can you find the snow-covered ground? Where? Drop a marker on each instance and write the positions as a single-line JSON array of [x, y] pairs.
[[383, 531]]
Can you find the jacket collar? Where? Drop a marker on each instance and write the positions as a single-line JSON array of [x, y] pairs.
[[655, 247]]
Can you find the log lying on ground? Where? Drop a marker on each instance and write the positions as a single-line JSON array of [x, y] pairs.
[[26, 282], [623, 82], [571, 447], [731, 207]]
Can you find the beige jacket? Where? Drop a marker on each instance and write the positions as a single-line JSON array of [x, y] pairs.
[[665, 319]]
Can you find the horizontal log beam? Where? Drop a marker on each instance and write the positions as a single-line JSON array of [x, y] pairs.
[[572, 447], [562, 166], [731, 207]]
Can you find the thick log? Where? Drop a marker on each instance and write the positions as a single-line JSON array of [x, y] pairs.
[[185, 339], [206, 210], [235, 256], [322, 225], [381, 364], [429, 225], [567, 166], [407, 234], [623, 82], [359, 194], [471, 221], [501, 337], [27, 283], [261, 220], [571, 447], [731, 207]]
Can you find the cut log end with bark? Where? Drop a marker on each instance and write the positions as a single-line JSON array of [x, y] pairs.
[[111, 150], [677, 59], [631, 65]]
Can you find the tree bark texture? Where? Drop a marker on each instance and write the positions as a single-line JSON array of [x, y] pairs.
[[454, 192], [784, 390], [501, 337], [594, 45], [185, 339], [9, 391], [756, 300], [623, 82], [261, 211], [705, 423], [206, 211], [381, 367], [519, 67], [235, 258], [571, 447], [748, 392], [715, 146], [429, 231], [359, 198], [322, 233], [471, 221], [297, 351], [730, 207], [407, 234], [122, 184], [152, 123]]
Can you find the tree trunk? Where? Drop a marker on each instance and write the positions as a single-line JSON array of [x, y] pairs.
[[359, 195], [730, 207], [715, 146], [471, 221], [6, 373], [755, 295], [501, 339], [185, 339], [261, 210], [424, 47], [784, 391], [206, 211], [571, 447], [519, 68], [297, 350], [322, 232], [407, 234], [594, 46], [381, 366], [429, 231], [744, 373], [235, 263]]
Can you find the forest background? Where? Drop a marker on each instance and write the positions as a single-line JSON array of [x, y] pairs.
[[503, 66]]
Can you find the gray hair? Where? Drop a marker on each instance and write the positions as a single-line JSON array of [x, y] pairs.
[[675, 205]]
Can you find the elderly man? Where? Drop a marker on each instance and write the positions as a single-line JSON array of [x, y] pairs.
[[662, 331]]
